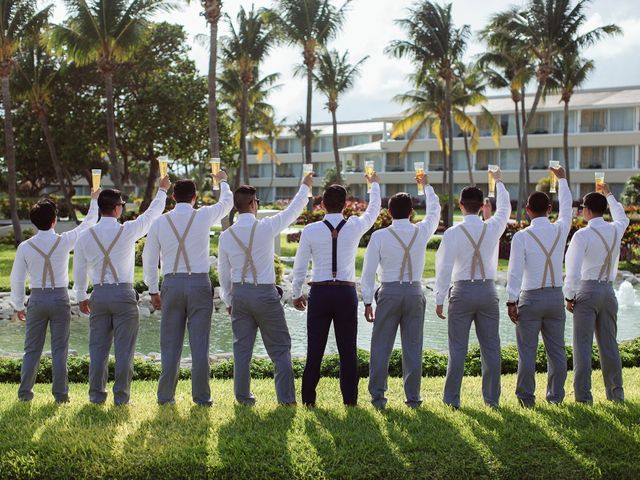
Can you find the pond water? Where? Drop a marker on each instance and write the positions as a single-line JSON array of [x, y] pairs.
[[435, 330]]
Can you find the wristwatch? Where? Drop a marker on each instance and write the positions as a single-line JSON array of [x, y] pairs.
[[511, 304]]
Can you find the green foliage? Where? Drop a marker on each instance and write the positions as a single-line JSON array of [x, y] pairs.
[[543, 185], [10, 239], [631, 192], [279, 268]]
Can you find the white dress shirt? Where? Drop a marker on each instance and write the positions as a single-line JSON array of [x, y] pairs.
[[527, 260], [455, 255], [316, 244], [385, 254], [162, 243], [231, 256], [88, 257], [30, 264], [586, 253]]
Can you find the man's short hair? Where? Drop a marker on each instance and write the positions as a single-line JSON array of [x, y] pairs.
[[243, 196], [334, 198], [400, 205], [596, 202], [108, 200], [472, 199], [43, 214], [539, 203], [184, 191]]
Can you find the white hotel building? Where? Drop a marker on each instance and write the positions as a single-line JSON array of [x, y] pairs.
[[604, 135]]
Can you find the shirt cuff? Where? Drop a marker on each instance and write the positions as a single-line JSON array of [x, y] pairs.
[[15, 304], [440, 299], [82, 296], [367, 299]]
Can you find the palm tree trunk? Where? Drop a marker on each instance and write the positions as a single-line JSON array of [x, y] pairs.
[[307, 126], [152, 178], [44, 124], [565, 142], [468, 154], [10, 152], [243, 134], [521, 169], [273, 178], [214, 138], [336, 153], [450, 153], [443, 142], [116, 173], [525, 121]]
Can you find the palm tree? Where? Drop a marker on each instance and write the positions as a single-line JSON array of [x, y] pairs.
[[270, 131], [15, 18], [38, 72], [570, 72], [105, 32], [213, 12], [310, 25], [334, 76], [436, 46], [245, 48]]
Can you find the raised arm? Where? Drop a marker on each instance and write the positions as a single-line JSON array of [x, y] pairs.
[[80, 273], [18, 279], [430, 222], [279, 222], [301, 264], [371, 262], [221, 209], [89, 221], [573, 264], [503, 205], [141, 225], [368, 218], [565, 200], [619, 217], [516, 267], [150, 259], [224, 273], [444, 266]]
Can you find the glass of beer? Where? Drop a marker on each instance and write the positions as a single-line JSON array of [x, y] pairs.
[[369, 169], [307, 169], [600, 182], [419, 168], [163, 161], [492, 182], [553, 180], [215, 169], [96, 176]]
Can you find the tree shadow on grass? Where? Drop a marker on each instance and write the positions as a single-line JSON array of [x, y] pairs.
[[517, 446], [351, 444], [606, 433], [254, 444]]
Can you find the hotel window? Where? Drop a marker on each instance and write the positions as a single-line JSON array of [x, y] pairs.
[[295, 145], [436, 162], [413, 157], [393, 188], [376, 158], [557, 120], [395, 162], [459, 160], [282, 145], [538, 159], [360, 139], [558, 154], [593, 157], [254, 171], [508, 124], [285, 193], [621, 157], [539, 124], [316, 144], [345, 141], [286, 170], [376, 137], [484, 125], [411, 189], [510, 159], [621, 119], [593, 121], [326, 144], [484, 158]]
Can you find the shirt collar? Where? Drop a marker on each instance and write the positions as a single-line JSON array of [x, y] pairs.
[[540, 221], [596, 221], [401, 222], [246, 219], [45, 233], [471, 218], [184, 206], [108, 220], [334, 218]]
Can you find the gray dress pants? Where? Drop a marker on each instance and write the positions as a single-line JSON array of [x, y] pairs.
[[187, 302], [114, 319], [473, 302], [596, 311], [46, 307], [258, 307], [541, 311], [403, 305]]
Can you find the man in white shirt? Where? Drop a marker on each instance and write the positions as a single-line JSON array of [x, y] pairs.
[[248, 288], [468, 255], [534, 287], [397, 253], [592, 265], [181, 240], [44, 259], [106, 252], [332, 246]]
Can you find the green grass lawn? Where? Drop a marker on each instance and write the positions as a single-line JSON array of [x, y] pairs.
[[43, 440]]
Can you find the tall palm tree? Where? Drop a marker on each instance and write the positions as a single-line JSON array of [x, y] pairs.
[[38, 72], [245, 48], [436, 46], [270, 131], [15, 18], [212, 13], [569, 73], [105, 32], [334, 76], [310, 25]]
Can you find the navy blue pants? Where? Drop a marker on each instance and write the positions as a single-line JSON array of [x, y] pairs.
[[339, 304]]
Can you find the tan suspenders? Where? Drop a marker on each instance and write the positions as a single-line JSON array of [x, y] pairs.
[[182, 251], [248, 262], [548, 264], [606, 266], [106, 261], [406, 259], [477, 257], [48, 267]]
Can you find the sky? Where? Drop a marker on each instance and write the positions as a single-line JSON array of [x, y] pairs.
[[370, 27]]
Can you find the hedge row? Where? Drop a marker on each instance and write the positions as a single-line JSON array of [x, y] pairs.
[[434, 364]]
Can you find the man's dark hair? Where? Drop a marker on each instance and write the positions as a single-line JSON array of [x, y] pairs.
[[108, 200], [539, 203], [334, 198], [472, 199], [43, 214], [243, 196], [400, 205], [596, 202], [184, 191]]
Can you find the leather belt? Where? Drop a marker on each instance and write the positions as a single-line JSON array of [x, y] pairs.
[[333, 283]]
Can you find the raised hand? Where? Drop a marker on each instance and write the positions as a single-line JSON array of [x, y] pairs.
[[308, 180], [95, 194], [221, 176], [372, 178], [496, 174], [165, 183], [558, 172]]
